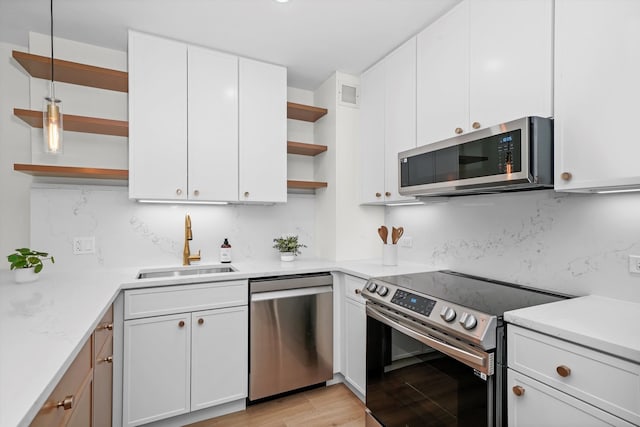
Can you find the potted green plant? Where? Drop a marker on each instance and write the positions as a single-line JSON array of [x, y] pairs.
[[288, 246], [27, 263]]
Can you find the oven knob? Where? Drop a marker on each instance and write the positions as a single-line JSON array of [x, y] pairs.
[[468, 321], [371, 287], [448, 314], [383, 291]]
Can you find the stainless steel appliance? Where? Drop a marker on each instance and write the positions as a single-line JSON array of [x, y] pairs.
[[436, 348], [517, 155], [290, 333]]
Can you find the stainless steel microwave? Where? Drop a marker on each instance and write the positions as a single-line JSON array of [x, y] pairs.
[[517, 155]]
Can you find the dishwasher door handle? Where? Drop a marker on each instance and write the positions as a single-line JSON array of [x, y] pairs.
[[290, 293]]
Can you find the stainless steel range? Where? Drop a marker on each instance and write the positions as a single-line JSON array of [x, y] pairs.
[[436, 350]]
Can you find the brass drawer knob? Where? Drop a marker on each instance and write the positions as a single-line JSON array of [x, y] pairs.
[[378, 194], [458, 131], [566, 176], [388, 194], [563, 371], [476, 125], [179, 192], [200, 321], [108, 359], [107, 326], [246, 194], [66, 403], [518, 390], [181, 324]]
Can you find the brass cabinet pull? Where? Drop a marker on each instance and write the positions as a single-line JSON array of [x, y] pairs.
[[108, 359], [246, 194], [66, 403], [476, 125], [200, 321], [179, 192], [566, 176], [388, 194], [518, 390], [563, 371], [378, 194], [196, 192], [458, 131], [107, 326], [181, 323]]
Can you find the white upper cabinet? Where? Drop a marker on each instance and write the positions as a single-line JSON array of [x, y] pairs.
[[263, 132], [157, 118], [213, 125], [204, 125], [597, 88], [484, 63], [388, 122]]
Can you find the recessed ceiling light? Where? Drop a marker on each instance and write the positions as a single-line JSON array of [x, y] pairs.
[[282, 1]]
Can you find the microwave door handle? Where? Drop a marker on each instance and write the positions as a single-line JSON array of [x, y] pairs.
[[473, 360]]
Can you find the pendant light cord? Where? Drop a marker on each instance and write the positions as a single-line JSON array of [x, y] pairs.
[[52, 75]]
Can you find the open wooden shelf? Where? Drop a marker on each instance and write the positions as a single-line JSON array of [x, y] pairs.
[[71, 171], [73, 72], [307, 113], [305, 149], [306, 185], [77, 123]]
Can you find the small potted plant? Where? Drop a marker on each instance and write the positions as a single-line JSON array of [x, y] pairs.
[[288, 246], [27, 263]]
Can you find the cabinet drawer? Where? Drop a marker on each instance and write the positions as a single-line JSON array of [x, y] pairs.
[[103, 331], [541, 405], [352, 288], [73, 383], [180, 299], [602, 380], [103, 386]]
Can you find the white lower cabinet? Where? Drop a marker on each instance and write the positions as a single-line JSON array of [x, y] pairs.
[[354, 335], [178, 363], [558, 383]]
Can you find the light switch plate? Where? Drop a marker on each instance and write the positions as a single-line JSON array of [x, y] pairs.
[[634, 264], [84, 245]]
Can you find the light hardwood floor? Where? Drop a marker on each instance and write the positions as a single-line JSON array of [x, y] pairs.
[[330, 406]]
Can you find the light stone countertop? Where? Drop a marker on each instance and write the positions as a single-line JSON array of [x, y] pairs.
[[43, 324], [605, 324]]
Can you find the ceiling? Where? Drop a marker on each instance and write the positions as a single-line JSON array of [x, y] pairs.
[[312, 38]]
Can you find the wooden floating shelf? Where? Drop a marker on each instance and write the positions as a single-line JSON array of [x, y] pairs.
[[73, 72], [303, 112], [306, 185], [77, 123], [71, 171], [305, 149]]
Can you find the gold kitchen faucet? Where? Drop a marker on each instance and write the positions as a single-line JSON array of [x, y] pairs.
[[188, 235]]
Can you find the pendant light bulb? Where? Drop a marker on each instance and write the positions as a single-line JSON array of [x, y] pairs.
[[52, 111]]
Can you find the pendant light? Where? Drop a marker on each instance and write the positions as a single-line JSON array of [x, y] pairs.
[[52, 111]]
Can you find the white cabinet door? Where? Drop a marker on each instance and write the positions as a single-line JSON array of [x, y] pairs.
[[355, 344], [263, 132], [157, 118], [400, 113], [596, 94], [372, 102], [511, 52], [541, 405], [157, 368], [443, 77], [219, 356], [213, 125]]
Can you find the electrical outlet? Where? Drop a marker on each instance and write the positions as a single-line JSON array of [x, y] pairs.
[[84, 245], [406, 242], [634, 264]]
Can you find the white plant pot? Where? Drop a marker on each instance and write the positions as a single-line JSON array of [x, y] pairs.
[[287, 256], [25, 275]]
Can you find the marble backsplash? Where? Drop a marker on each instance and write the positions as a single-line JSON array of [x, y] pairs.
[[577, 244], [131, 234]]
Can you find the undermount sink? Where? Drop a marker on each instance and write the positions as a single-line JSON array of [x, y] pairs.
[[185, 271]]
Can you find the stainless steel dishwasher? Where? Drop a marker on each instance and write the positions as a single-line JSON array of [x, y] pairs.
[[290, 333]]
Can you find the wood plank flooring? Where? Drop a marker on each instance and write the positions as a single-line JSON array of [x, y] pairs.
[[329, 406]]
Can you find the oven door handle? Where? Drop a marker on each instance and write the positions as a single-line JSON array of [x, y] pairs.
[[480, 361]]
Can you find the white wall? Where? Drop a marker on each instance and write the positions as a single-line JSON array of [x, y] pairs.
[[131, 234], [578, 244], [14, 148]]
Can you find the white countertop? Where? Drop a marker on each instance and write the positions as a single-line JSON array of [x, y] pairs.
[[43, 324], [604, 324]]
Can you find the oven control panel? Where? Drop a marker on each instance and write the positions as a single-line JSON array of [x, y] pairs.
[[413, 302]]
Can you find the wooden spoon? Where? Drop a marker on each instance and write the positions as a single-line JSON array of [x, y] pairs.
[[384, 233], [396, 233]]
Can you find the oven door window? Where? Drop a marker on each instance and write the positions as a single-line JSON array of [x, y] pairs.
[[409, 384]]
